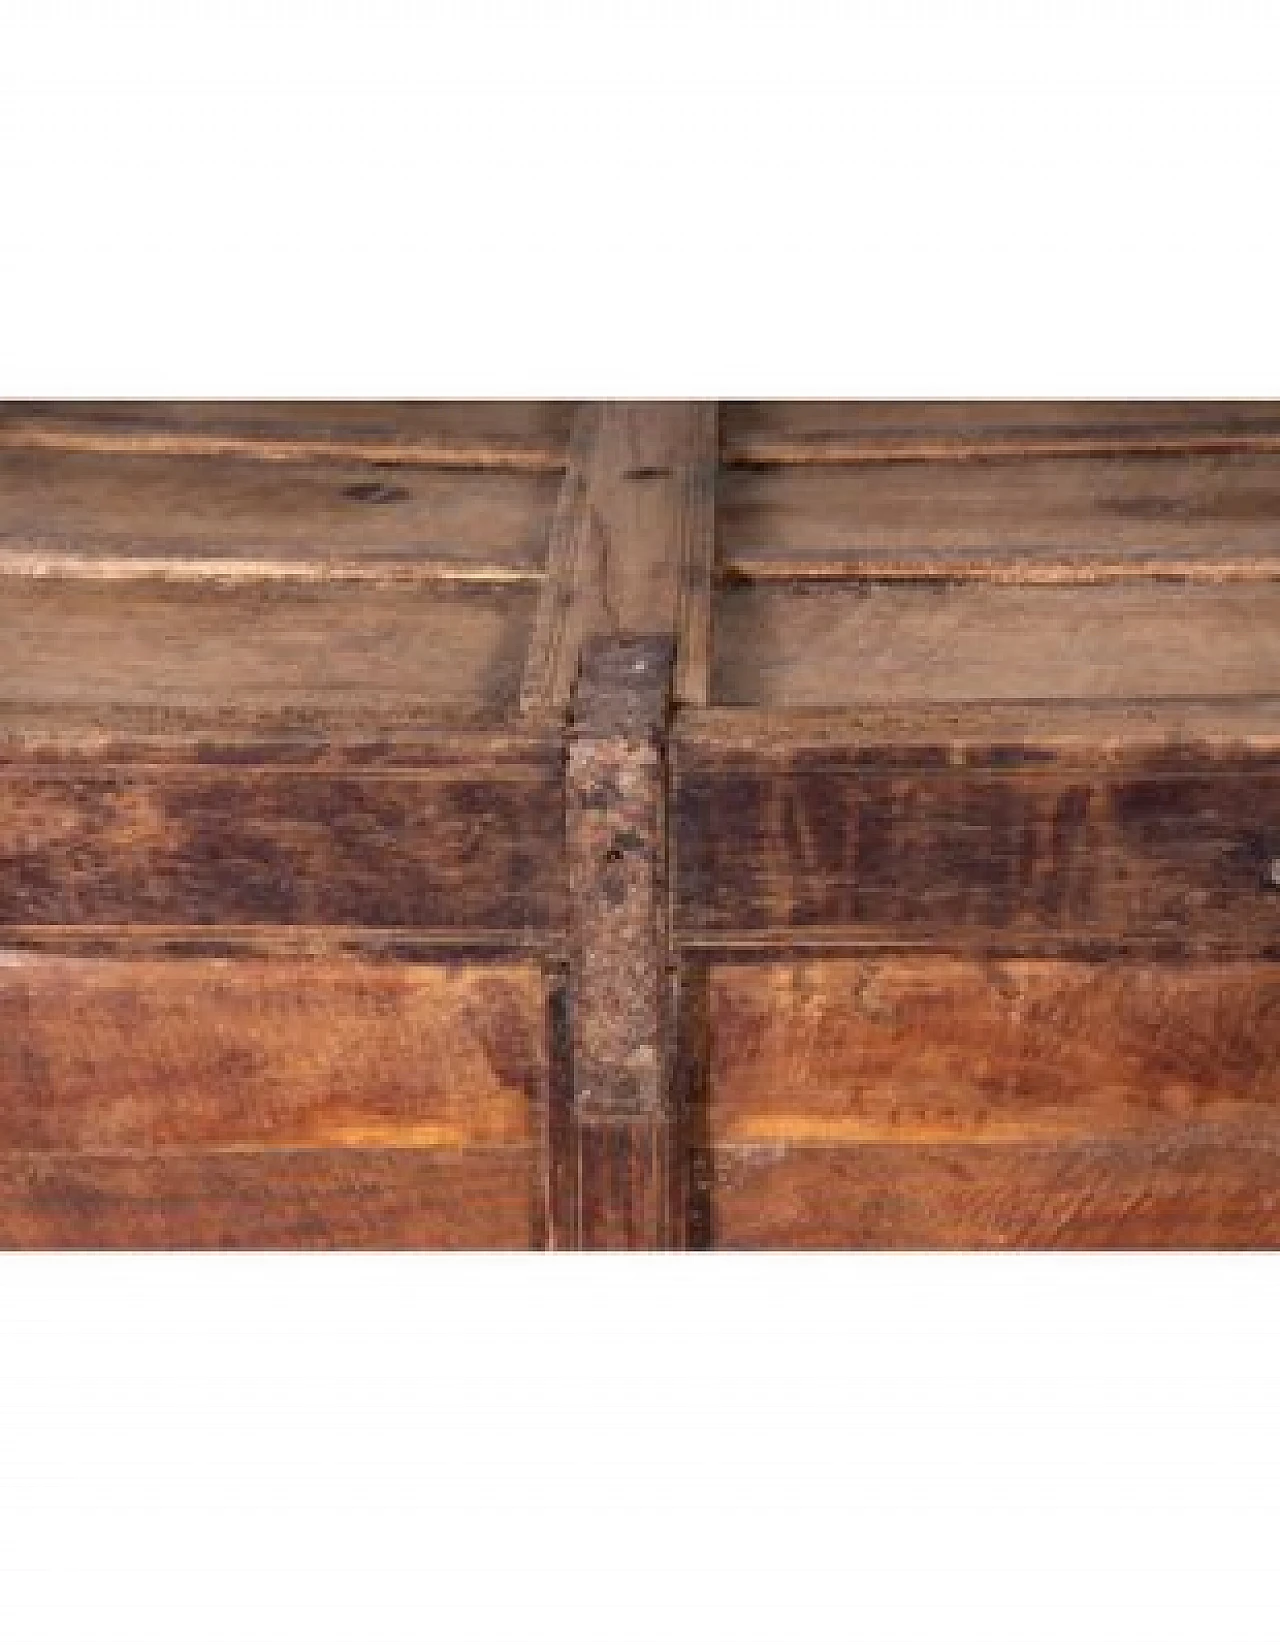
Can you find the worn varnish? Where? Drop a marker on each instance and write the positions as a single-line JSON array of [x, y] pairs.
[[325, 1199], [633, 825], [104, 1055]]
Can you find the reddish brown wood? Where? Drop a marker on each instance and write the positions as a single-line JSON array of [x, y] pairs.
[[105, 1055], [325, 1199], [1182, 1193]]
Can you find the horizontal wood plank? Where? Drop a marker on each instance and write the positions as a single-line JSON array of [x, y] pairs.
[[935, 1050], [103, 1055], [1188, 1194], [824, 647], [1066, 520], [824, 432], [845, 840], [104, 515], [327, 1199], [508, 435], [262, 649], [466, 845]]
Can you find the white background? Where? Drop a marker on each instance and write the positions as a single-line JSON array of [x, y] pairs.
[[690, 199]]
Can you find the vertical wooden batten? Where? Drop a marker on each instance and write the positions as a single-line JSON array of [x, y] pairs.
[[616, 804], [622, 634], [632, 545]]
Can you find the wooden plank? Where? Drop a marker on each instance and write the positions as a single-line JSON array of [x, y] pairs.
[[856, 432], [618, 975], [938, 1050], [1056, 521], [107, 1055], [1187, 1194], [324, 1199], [471, 844], [633, 546], [821, 647], [888, 841], [506, 435], [312, 649], [88, 514]]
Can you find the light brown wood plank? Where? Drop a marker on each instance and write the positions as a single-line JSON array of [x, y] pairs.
[[633, 545], [103, 515], [852, 432], [326, 1199], [506, 435], [822, 647], [936, 1050], [264, 648], [101, 1055], [1059, 521], [1189, 1193]]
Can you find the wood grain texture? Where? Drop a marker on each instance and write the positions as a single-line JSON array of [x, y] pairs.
[[464, 845], [264, 648], [634, 543], [818, 432], [937, 1050], [326, 1199], [1188, 516], [505, 435], [105, 515], [617, 847], [821, 647], [100, 1055], [1184, 1194], [861, 840]]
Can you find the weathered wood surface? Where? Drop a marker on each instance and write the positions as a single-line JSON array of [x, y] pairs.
[[465, 844], [103, 515], [263, 648], [323, 1199], [108, 1055], [347, 899], [1184, 1193], [825, 647], [849, 433], [619, 979], [1038, 521], [864, 840], [633, 545], [940, 1050], [506, 435]]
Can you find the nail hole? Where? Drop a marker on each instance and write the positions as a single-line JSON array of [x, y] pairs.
[[375, 493]]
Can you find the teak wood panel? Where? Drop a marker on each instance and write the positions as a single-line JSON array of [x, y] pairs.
[[458, 846], [240, 518], [264, 648], [325, 1199], [1180, 1194], [1068, 519], [843, 841], [102, 1055], [822, 647], [938, 1102]]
